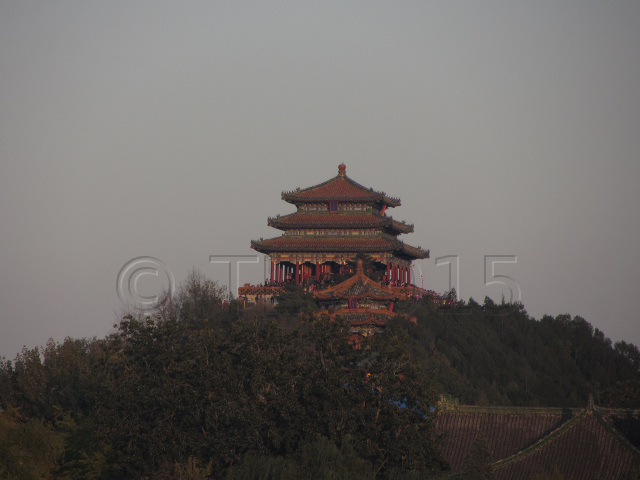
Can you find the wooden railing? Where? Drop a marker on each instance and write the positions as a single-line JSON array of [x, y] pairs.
[[407, 291], [413, 291], [259, 290]]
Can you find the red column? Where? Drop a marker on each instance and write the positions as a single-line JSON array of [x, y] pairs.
[[317, 270], [409, 275], [271, 277], [388, 271], [297, 272]]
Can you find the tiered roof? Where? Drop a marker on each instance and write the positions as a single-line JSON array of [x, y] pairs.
[[366, 228], [357, 287], [340, 189], [363, 320], [327, 220], [344, 243]]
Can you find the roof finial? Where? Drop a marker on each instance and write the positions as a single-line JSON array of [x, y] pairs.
[[342, 168], [359, 267]]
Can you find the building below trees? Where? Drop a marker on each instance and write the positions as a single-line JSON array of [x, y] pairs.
[[204, 389], [344, 249], [508, 443]]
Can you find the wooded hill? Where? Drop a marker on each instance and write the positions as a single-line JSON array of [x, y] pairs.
[[496, 354], [205, 389]]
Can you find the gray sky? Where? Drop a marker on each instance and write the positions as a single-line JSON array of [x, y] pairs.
[[169, 129]]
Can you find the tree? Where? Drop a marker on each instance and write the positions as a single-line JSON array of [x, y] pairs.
[[29, 450], [171, 391], [477, 464], [319, 459], [294, 301], [197, 299], [630, 352]]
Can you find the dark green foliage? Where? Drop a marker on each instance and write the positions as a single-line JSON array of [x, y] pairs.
[[199, 391], [318, 460], [84, 455], [630, 352], [202, 302], [190, 470], [478, 463], [495, 354], [295, 300], [29, 450], [169, 392]]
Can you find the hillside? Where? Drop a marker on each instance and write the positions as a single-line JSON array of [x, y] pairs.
[[495, 354], [205, 389]]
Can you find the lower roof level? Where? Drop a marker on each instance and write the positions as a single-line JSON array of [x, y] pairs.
[[379, 245]]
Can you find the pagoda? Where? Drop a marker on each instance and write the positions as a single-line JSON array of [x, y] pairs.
[[334, 222]]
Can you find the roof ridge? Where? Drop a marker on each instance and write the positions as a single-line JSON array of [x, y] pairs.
[[321, 184], [550, 437], [361, 277], [520, 410], [615, 432], [298, 194]]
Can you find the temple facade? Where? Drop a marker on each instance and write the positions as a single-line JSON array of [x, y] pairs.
[[335, 221]]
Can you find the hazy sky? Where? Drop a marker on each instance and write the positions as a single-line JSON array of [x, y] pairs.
[[169, 129]]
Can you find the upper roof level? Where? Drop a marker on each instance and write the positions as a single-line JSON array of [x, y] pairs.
[[327, 220], [339, 189]]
